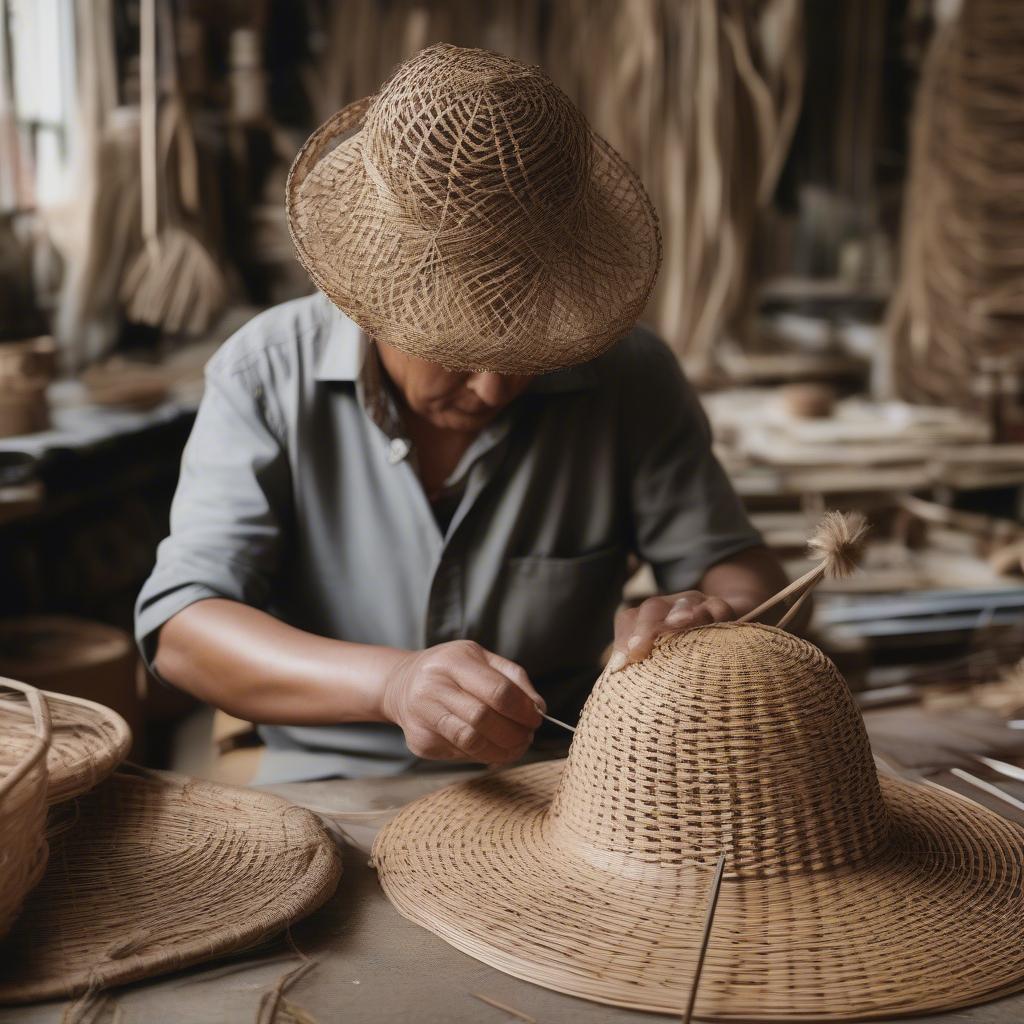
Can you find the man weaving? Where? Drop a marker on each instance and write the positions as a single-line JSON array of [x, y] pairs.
[[408, 503]]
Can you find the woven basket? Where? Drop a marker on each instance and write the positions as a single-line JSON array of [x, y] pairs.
[[159, 874], [844, 897], [88, 741], [22, 805]]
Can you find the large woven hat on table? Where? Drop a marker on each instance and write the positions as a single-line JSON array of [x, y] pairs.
[[844, 896], [158, 874], [87, 741], [467, 214]]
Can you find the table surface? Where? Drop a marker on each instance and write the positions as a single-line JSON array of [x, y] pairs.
[[372, 966]]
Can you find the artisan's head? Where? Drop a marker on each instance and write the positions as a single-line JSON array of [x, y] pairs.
[[467, 215], [459, 400]]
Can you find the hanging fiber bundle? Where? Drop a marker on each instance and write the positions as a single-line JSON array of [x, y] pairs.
[[958, 312]]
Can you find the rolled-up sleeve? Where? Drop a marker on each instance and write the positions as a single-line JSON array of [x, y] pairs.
[[232, 496], [686, 515]]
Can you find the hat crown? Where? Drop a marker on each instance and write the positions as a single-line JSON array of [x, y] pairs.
[[463, 140], [732, 738]]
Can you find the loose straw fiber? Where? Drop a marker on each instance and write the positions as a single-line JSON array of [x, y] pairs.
[[158, 875], [844, 897], [467, 215], [23, 847], [88, 741]]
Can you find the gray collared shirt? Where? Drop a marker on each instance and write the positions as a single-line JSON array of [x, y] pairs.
[[298, 494]]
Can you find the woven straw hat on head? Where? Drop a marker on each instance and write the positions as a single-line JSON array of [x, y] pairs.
[[844, 896], [467, 215]]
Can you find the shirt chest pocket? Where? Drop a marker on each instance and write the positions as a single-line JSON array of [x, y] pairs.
[[556, 613]]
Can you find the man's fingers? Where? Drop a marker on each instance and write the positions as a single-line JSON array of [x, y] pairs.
[[681, 611], [428, 744], [651, 612], [517, 674], [497, 691], [635, 636], [472, 743], [625, 621], [497, 729], [720, 611], [633, 629]]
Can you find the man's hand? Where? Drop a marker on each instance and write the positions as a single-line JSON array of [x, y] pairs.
[[459, 702], [636, 629]]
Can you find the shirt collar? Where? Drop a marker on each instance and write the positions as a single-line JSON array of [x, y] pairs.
[[345, 347]]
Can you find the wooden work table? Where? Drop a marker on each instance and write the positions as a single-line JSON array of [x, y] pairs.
[[373, 966]]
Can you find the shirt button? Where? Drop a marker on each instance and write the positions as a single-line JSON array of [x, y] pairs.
[[397, 450]]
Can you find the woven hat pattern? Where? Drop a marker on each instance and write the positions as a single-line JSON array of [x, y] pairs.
[[591, 876], [154, 875], [468, 215], [88, 741], [766, 760]]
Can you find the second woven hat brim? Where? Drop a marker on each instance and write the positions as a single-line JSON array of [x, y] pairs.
[[87, 742], [932, 925], [400, 290], [158, 874]]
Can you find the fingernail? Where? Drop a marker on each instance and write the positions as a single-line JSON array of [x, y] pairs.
[[678, 616], [616, 661]]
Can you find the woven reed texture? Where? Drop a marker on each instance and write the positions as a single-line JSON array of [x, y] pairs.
[[844, 898], [959, 303], [23, 848], [157, 875], [88, 741], [467, 215]]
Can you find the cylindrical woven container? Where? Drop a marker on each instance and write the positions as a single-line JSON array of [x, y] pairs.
[[87, 741], [22, 806]]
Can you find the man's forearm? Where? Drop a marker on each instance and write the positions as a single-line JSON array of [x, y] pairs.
[[260, 669]]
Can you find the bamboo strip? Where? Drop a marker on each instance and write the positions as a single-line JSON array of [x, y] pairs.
[[716, 885]]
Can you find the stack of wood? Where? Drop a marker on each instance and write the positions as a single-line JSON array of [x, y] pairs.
[[959, 307]]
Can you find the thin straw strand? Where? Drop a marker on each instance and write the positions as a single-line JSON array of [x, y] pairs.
[[716, 886]]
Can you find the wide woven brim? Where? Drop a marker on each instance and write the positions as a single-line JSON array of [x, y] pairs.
[[158, 875], [934, 922], [87, 742], [586, 294]]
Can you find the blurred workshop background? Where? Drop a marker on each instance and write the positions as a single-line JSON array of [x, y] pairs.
[[841, 193]]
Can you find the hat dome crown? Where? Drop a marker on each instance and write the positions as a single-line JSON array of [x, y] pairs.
[[465, 139], [733, 738]]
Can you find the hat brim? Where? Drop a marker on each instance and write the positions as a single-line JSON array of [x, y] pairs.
[[573, 306], [87, 742], [934, 923], [156, 875]]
